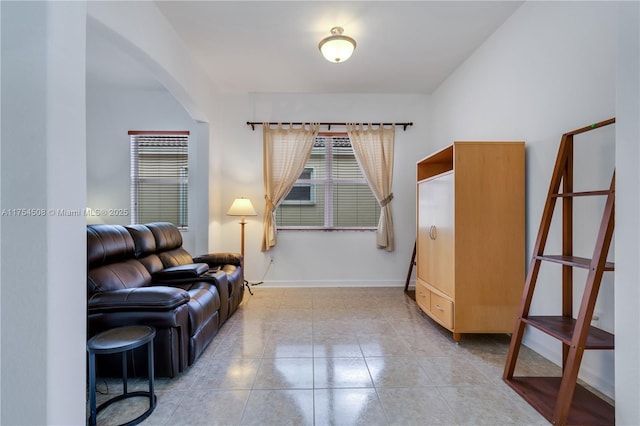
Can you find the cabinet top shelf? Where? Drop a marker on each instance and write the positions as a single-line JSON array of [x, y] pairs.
[[445, 159], [435, 164]]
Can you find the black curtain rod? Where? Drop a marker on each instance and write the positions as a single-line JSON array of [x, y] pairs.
[[257, 123]]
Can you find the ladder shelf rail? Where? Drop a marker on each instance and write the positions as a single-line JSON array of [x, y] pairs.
[[561, 399]]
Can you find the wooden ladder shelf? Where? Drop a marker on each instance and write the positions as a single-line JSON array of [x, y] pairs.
[[560, 399]]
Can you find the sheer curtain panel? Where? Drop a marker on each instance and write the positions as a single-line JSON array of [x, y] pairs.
[[373, 148], [286, 151]]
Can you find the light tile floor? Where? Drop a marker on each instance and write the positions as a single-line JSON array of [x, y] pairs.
[[337, 356]]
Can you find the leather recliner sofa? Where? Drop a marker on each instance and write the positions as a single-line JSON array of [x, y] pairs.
[[126, 285], [168, 241]]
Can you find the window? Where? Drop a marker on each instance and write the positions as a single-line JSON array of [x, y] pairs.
[[331, 192], [303, 192], [160, 177]]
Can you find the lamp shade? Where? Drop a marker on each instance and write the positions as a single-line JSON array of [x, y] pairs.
[[241, 207], [337, 48]]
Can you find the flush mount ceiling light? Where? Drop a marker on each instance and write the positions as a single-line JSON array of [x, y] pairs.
[[337, 47]]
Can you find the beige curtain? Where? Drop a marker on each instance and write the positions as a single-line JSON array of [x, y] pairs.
[[373, 148], [286, 151]]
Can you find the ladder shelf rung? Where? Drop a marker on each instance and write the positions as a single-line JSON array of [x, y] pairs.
[[578, 262], [542, 393], [581, 194], [562, 329]]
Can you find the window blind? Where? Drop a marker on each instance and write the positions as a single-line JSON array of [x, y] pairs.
[[160, 177]]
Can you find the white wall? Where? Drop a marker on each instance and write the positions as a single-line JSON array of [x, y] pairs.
[[316, 258], [43, 303], [142, 31], [145, 34], [0, 220], [627, 317], [111, 113], [548, 70]]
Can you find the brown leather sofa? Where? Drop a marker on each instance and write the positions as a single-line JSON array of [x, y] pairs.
[[128, 283], [168, 241]]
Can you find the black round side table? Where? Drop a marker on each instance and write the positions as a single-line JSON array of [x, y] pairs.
[[121, 340]]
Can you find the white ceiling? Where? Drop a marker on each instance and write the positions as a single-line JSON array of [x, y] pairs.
[[272, 46]]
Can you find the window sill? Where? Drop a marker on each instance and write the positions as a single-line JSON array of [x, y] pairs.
[[293, 228]]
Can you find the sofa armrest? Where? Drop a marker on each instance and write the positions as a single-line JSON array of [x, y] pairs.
[[219, 259], [156, 298], [191, 270]]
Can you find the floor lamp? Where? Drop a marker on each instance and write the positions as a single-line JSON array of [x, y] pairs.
[[242, 207]]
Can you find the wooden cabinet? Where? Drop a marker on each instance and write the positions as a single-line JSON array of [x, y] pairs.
[[471, 236]]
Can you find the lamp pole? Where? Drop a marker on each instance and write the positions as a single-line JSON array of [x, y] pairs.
[[243, 222], [242, 207]]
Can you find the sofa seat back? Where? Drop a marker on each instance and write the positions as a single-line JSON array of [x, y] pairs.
[[108, 244], [127, 274], [111, 261], [169, 244], [145, 248]]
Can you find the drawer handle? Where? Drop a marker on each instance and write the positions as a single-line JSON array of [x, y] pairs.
[[440, 308], [433, 232]]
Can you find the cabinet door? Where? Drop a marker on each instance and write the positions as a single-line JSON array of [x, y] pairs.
[[435, 233]]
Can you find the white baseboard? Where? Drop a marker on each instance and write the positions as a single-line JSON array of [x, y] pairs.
[[329, 283]]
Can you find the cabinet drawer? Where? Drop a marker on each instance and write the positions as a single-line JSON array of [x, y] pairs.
[[423, 296], [442, 310]]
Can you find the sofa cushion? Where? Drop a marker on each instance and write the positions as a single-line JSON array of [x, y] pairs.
[[152, 263], [175, 257], [169, 244], [108, 244], [116, 276]]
